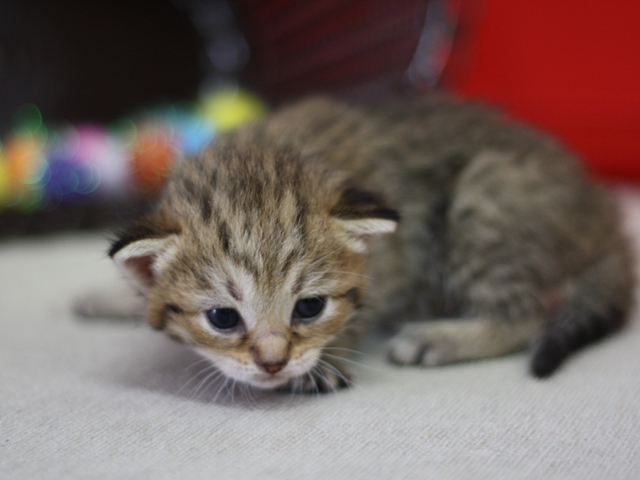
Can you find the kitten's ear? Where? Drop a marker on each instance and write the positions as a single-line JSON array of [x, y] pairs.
[[142, 251], [363, 216]]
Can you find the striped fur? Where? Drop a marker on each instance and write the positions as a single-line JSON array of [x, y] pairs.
[[492, 219]]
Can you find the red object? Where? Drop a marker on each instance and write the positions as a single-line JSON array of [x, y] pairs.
[[571, 67]]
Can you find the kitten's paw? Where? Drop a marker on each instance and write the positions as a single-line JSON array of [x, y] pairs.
[[111, 302], [440, 342], [423, 344], [87, 306], [322, 379]]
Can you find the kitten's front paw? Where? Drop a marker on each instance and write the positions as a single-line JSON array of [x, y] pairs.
[[115, 301], [85, 306], [421, 344], [322, 379]]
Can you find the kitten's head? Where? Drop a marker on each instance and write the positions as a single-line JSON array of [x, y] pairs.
[[256, 258]]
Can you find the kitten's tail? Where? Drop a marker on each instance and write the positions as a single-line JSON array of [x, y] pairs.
[[598, 305]]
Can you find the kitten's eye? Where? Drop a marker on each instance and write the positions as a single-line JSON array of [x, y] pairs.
[[223, 318], [309, 308]]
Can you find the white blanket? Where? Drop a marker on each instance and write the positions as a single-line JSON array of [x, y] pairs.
[[98, 399]]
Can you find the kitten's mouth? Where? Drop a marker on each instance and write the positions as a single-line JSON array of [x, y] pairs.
[[269, 381]]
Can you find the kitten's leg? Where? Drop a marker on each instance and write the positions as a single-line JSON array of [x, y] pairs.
[[117, 301], [500, 248], [503, 317], [439, 342]]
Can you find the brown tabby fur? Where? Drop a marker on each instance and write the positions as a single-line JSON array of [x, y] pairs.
[[502, 242]]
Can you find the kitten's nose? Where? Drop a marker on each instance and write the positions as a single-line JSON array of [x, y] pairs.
[[272, 368], [271, 353]]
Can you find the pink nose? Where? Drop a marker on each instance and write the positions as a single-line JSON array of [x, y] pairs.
[[272, 368]]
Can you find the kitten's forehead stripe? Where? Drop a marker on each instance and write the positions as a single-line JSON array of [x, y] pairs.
[[246, 262], [297, 286], [223, 232], [265, 229], [205, 208], [233, 290], [288, 262]]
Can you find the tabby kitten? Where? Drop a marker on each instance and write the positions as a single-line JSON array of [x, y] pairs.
[[273, 249]]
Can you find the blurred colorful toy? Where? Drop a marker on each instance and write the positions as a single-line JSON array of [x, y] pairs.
[[153, 153], [42, 168], [25, 166], [228, 109]]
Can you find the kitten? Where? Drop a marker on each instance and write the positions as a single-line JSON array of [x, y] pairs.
[[272, 250]]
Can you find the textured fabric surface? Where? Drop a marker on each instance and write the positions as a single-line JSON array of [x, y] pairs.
[[106, 399]]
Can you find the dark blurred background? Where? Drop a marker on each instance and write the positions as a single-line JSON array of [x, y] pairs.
[[570, 67], [79, 60]]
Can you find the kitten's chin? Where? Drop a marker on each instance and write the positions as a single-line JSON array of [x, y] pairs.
[[267, 382]]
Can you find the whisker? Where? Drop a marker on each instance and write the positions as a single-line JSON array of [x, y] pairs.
[[318, 377], [198, 377], [194, 377], [298, 386], [243, 392], [221, 388], [247, 392], [349, 350], [294, 384], [313, 380], [337, 372], [228, 386], [197, 362], [203, 384], [377, 369], [233, 391], [326, 379]]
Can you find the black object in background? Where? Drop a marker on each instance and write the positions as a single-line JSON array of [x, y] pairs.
[[80, 60]]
